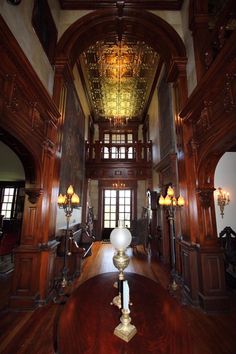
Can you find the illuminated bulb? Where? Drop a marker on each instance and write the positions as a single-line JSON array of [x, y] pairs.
[[170, 191], [181, 201], [70, 190], [75, 199], [167, 200], [61, 199], [161, 200], [174, 201]]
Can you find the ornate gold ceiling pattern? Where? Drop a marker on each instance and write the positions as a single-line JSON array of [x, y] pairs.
[[119, 77]]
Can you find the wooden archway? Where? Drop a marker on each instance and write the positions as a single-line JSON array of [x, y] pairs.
[[111, 22], [131, 23]]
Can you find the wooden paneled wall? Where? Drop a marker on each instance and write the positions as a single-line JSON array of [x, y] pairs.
[[28, 122]]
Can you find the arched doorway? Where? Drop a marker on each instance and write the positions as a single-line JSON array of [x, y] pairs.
[[224, 179], [124, 23], [12, 192]]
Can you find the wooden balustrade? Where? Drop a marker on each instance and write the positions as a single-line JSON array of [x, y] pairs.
[[131, 152]]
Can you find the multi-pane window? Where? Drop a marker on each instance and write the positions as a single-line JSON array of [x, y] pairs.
[[110, 207], [125, 206], [8, 202], [118, 152], [117, 206]]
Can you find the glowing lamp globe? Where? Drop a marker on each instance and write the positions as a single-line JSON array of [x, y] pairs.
[[120, 238]]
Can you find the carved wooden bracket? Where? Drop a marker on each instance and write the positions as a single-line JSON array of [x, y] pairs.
[[205, 196], [33, 194], [49, 147]]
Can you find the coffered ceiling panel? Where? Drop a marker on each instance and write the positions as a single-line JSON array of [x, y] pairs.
[[118, 77]]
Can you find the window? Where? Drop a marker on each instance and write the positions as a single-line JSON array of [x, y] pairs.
[[8, 202], [118, 152], [117, 206]]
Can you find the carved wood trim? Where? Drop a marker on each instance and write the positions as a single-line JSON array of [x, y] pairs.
[[75, 40], [33, 194], [205, 196]]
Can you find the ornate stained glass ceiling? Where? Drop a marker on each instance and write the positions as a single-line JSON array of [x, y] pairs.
[[118, 77]]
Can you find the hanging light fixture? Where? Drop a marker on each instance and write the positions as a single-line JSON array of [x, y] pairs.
[[118, 185]]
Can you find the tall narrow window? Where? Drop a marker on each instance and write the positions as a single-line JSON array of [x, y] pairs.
[[117, 206], [110, 205], [125, 206], [118, 152], [8, 204]]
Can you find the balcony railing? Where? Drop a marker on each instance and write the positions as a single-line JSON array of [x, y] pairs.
[[132, 152]]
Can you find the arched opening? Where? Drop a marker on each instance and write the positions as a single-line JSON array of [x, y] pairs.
[[15, 174], [12, 191], [116, 25], [225, 204]]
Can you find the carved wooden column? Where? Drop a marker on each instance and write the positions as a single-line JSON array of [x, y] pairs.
[[212, 291]]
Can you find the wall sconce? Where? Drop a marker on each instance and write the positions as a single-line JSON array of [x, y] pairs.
[[222, 200], [170, 202], [68, 202]]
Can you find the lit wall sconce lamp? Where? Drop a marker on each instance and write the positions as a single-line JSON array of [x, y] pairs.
[[170, 202], [222, 200], [68, 202]]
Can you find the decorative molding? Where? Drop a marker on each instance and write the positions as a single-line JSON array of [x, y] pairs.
[[177, 68], [49, 146], [192, 147], [33, 194], [230, 92], [35, 116], [203, 124], [205, 196], [9, 90]]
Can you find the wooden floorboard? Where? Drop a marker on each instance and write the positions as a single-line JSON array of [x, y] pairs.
[[32, 332]]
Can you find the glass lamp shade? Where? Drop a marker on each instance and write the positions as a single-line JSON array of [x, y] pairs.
[[75, 199], [181, 201], [70, 190], [161, 200], [170, 191], [120, 238]]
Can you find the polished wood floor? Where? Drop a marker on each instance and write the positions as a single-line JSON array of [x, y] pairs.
[[34, 332]]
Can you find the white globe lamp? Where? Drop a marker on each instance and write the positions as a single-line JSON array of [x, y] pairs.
[[120, 238]]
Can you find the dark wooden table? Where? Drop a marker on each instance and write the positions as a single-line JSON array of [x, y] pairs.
[[87, 321]]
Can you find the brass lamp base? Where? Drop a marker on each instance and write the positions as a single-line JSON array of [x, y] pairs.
[[117, 301], [125, 330], [174, 285]]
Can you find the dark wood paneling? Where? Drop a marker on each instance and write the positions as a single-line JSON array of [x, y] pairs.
[[28, 125], [95, 4]]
